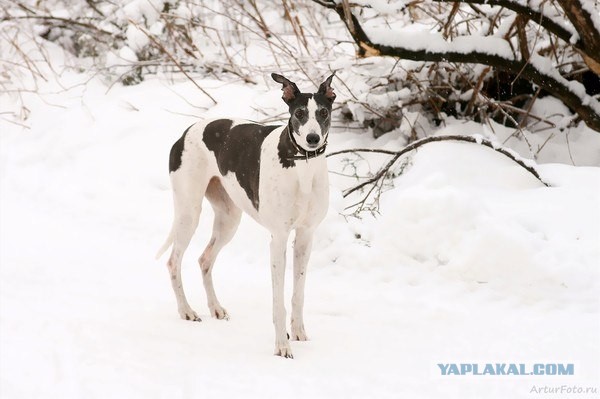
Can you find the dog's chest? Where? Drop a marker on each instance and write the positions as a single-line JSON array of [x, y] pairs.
[[294, 194]]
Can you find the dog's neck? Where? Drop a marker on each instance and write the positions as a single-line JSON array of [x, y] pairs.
[[290, 152]]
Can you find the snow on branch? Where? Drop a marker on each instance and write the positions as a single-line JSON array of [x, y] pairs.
[[585, 39], [584, 16], [565, 33], [375, 183], [485, 50]]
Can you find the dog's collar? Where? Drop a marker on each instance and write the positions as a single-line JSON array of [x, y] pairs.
[[303, 153]]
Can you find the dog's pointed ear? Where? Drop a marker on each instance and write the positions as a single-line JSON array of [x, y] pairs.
[[326, 89], [290, 90]]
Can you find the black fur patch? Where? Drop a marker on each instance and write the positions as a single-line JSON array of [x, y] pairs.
[[286, 149], [300, 102], [237, 150], [176, 152], [324, 123]]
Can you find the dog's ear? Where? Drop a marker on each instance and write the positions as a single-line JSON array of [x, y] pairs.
[[326, 89], [290, 90]]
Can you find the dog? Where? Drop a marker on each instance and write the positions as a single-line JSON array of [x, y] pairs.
[[276, 174]]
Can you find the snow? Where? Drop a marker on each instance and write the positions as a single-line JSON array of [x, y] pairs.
[[415, 37], [593, 11], [136, 38], [551, 12], [579, 146], [435, 43], [384, 7], [471, 260], [545, 67], [138, 10]]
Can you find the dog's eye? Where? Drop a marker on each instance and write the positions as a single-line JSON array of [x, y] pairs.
[[299, 114], [324, 113]]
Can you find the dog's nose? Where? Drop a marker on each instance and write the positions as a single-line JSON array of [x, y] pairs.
[[313, 139]]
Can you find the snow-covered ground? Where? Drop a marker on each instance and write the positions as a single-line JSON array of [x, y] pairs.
[[470, 261]]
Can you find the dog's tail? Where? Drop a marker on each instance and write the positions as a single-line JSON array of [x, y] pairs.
[[166, 245]]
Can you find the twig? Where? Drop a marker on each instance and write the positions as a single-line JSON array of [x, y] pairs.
[[376, 150]]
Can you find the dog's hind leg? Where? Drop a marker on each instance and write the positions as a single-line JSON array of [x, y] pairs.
[[227, 220], [188, 192]]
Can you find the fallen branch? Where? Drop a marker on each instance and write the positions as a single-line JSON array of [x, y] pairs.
[[397, 154], [377, 150]]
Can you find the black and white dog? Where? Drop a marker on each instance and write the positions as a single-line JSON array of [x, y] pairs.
[[276, 174]]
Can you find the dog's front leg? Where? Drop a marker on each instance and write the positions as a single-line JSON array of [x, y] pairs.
[[278, 247], [302, 249]]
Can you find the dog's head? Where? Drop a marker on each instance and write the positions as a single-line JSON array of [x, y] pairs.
[[310, 113]]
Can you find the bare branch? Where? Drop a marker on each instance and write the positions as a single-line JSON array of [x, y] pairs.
[[64, 21]]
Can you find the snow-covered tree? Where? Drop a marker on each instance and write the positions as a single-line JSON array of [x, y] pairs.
[[554, 44]]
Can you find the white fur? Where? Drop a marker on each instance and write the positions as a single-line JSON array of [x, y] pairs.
[[291, 199], [311, 125]]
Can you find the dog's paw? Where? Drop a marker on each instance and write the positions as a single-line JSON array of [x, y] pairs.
[[284, 350], [189, 314], [298, 334], [219, 312]]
